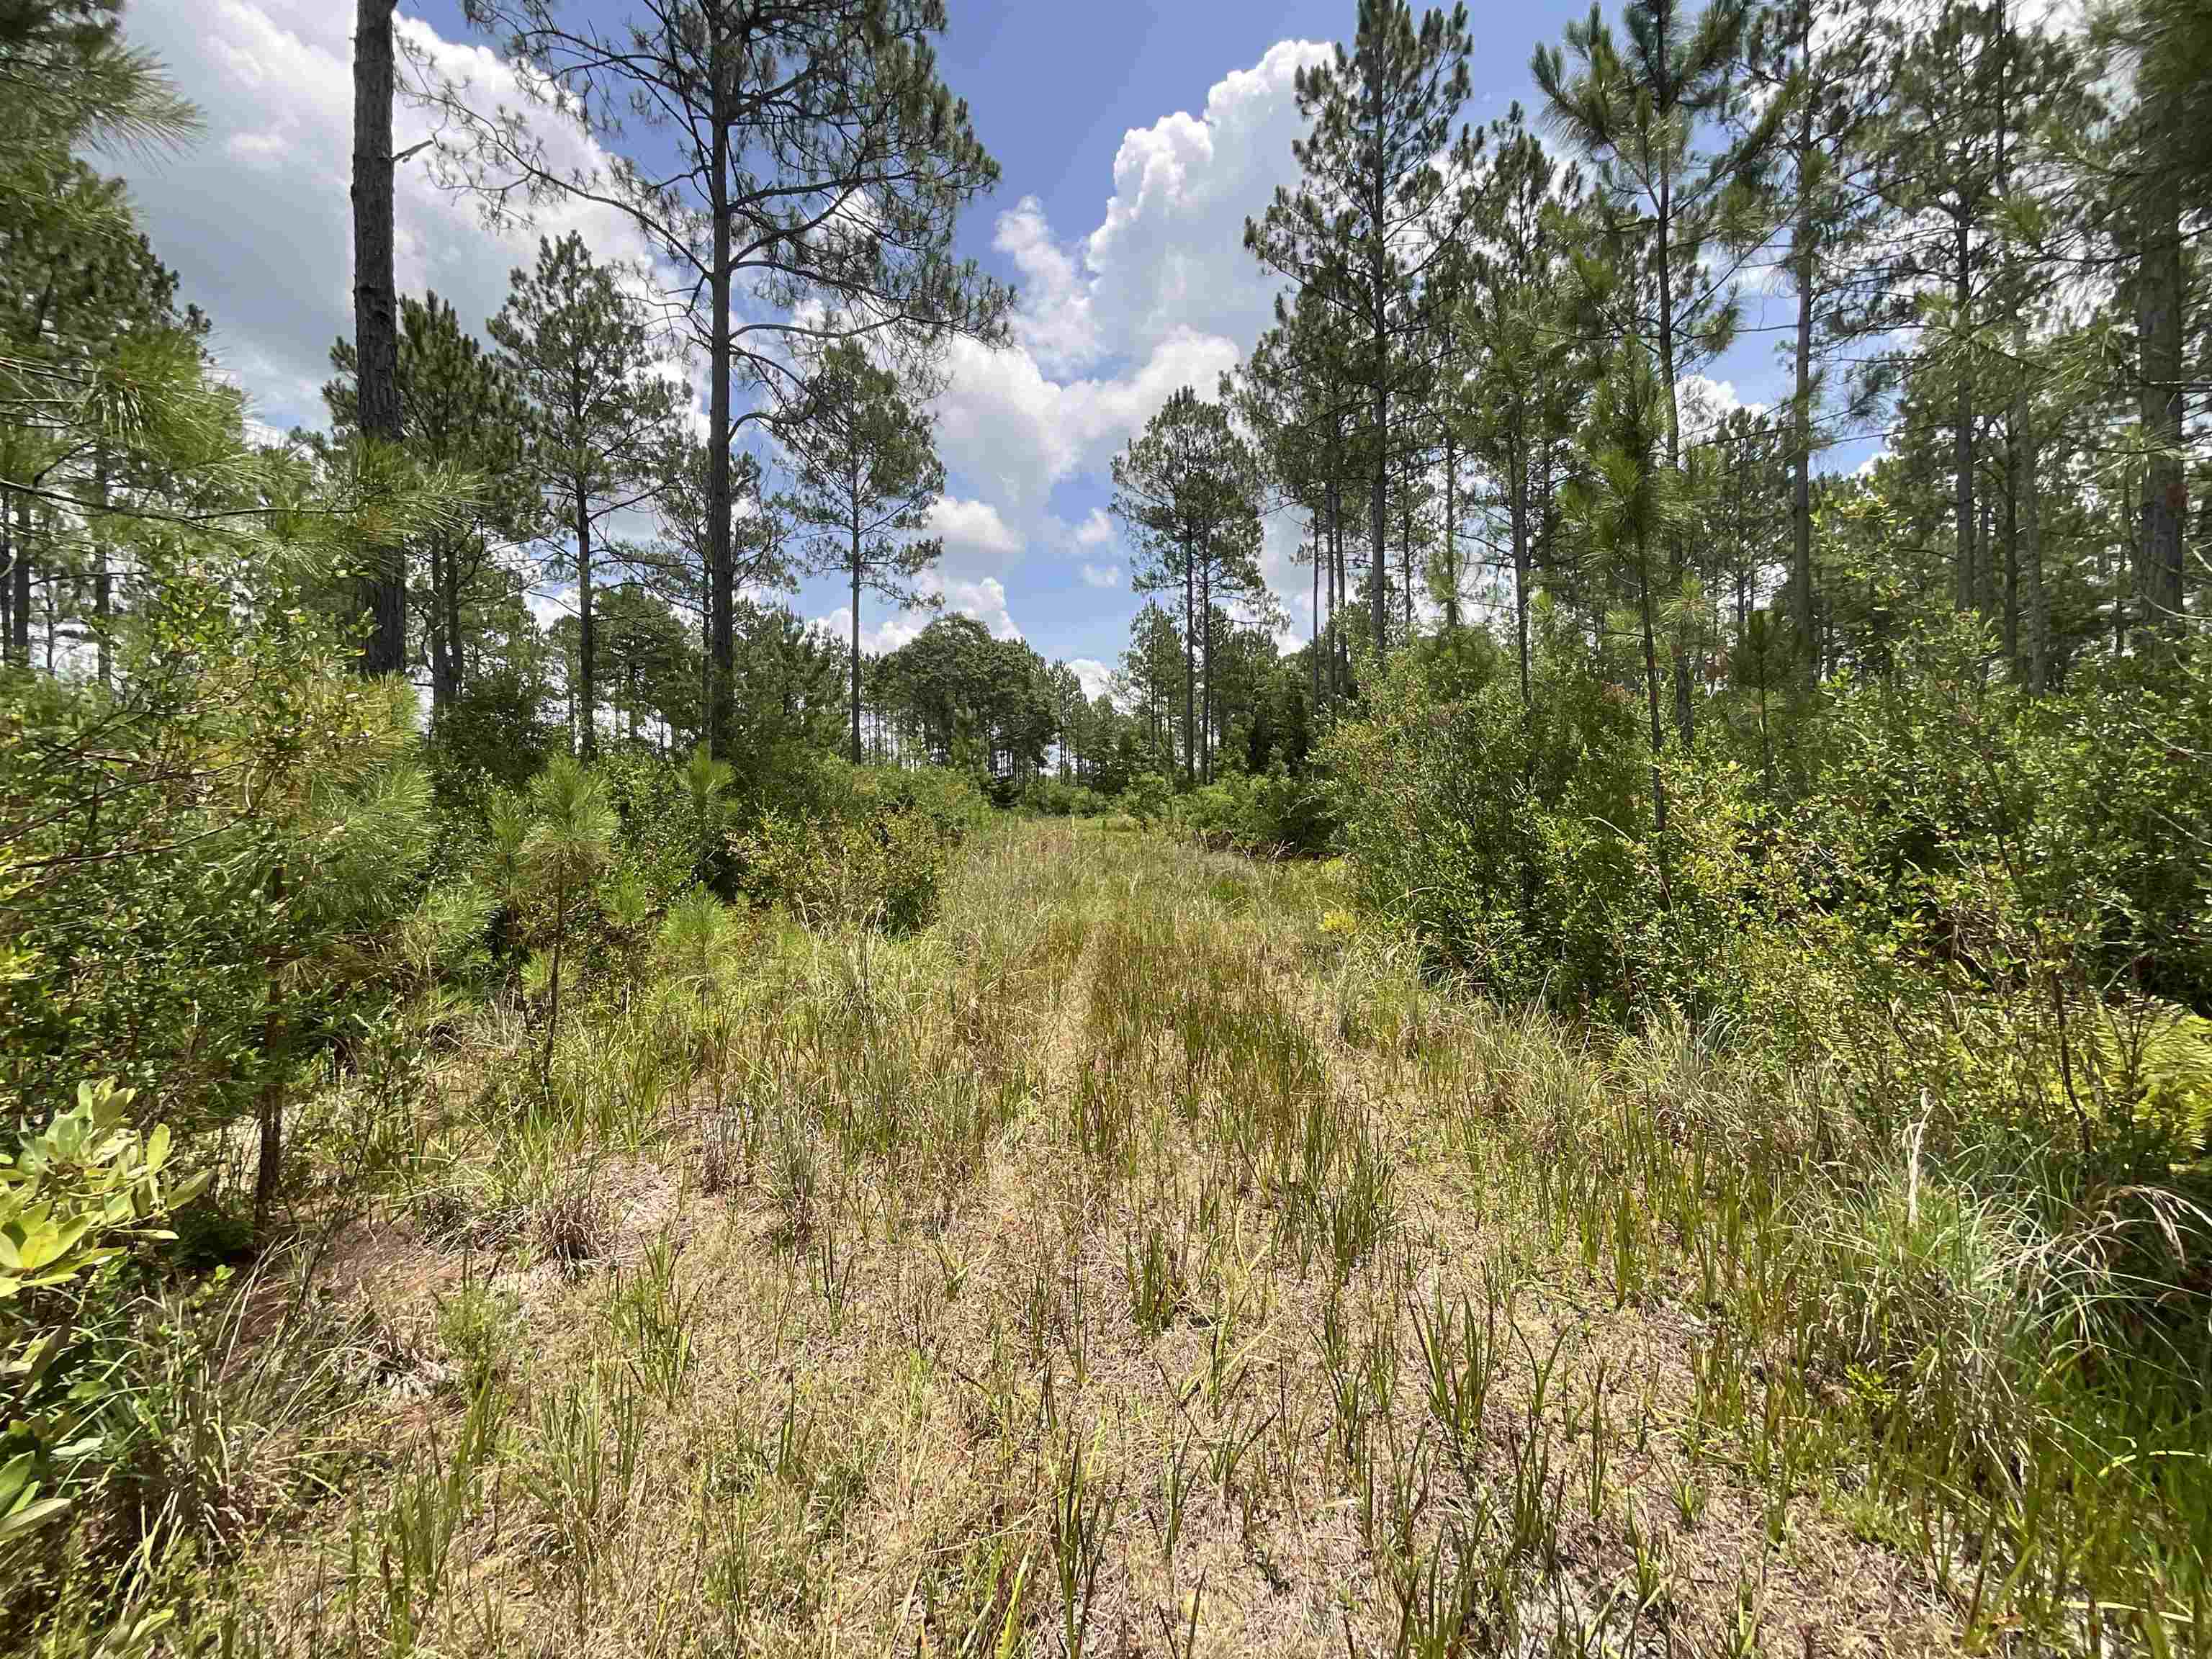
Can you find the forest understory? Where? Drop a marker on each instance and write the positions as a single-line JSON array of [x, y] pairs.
[[1138, 1260]]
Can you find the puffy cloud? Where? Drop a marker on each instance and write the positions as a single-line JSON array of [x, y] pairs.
[[1013, 433], [1054, 323], [885, 633], [1094, 675], [256, 217], [1170, 254], [1161, 294], [985, 601], [1704, 403], [973, 532], [1096, 529], [1094, 576]]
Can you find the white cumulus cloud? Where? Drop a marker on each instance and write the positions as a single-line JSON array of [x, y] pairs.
[[255, 218], [1093, 676]]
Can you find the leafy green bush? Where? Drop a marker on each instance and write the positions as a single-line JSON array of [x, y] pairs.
[[1147, 797], [1049, 797], [73, 1197], [1271, 815], [873, 851]]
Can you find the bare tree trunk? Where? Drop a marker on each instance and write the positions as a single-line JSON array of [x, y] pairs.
[[103, 593], [19, 583], [1406, 556], [382, 586], [2036, 603], [588, 653], [441, 639], [450, 598], [269, 1172], [8, 555], [1801, 481], [1962, 435], [1379, 303], [856, 646], [1190, 664], [2166, 489], [2015, 418], [721, 559], [1205, 623], [1516, 495], [1451, 530], [1313, 647]]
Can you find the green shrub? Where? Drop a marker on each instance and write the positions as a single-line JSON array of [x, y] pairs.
[[873, 850], [73, 1196], [1272, 814], [1147, 797], [1049, 797]]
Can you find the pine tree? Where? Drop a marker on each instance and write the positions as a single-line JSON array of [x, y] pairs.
[[1298, 395], [804, 156], [1627, 501], [381, 586], [1812, 59], [1185, 488], [1529, 372], [1640, 105], [579, 346], [465, 418], [1372, 217], [868, 478]]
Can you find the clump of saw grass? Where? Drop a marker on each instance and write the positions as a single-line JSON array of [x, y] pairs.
[[1143, 1258]]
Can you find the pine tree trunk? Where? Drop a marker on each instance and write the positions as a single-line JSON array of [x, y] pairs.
[[1451, 532], [1962, 436], [450, 599], [1800, 481], [721, 558], [1517, 494], [2165, 491], [1313, 647], [1190, 664], [587, 654], [856, 641], [102, 594], [441, 641], [2015, 418], [382, 587], [1205, 623], [18, 602], [2036, 601], [1406, 558], [1379, 301], [7, 578]]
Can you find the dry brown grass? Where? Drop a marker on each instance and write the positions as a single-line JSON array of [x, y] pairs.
[[918, 1410]]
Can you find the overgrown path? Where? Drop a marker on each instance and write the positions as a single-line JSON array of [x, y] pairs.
[[1133, 1261]]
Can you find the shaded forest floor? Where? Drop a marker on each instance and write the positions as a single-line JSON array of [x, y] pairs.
[[1138, 1260]]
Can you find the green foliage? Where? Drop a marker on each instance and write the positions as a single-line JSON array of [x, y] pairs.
[[871, 847], [1049, 797], [159, 921], [73, 1196], [1272, 814], [1147, 797]]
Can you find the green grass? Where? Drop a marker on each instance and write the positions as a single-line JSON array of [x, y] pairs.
[[1130, 1262]]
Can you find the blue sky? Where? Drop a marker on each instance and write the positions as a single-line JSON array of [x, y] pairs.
[[1133, 138]]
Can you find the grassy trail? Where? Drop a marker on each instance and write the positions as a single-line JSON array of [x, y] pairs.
[[1128, 1263]]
